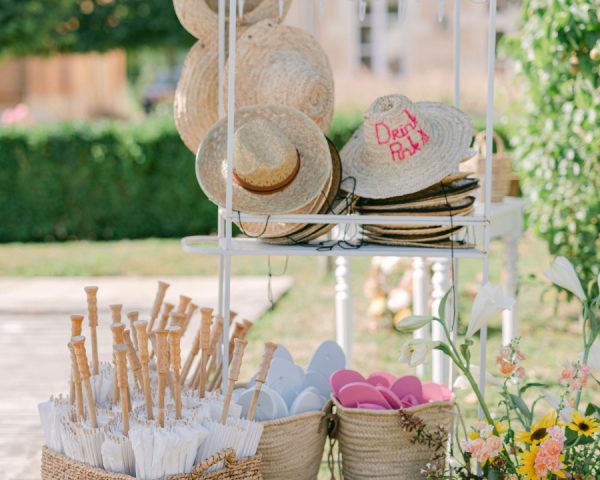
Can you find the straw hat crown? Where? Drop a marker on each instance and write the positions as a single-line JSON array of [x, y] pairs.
[[394, 130], [264, 159]]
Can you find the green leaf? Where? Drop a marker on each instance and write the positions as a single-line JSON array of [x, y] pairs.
[[519, 404], [442, 307], [443, 348], [592, 409], [465, 351], [527, 386]]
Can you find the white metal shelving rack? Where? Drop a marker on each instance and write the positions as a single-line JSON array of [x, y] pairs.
[[226, 247]]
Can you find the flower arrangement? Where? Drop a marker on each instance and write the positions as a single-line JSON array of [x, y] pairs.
[[513, 445]]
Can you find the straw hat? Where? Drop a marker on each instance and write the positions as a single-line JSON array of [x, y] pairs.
[[201, 17], [289, 233], [196, 96], [283, 64], [404, 147], [281, 161]]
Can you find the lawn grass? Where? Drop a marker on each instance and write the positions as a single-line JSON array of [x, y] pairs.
[[306, 315]]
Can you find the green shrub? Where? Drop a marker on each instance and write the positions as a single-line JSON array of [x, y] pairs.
[[556, 127], [99, 181]]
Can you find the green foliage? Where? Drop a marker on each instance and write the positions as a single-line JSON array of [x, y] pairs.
[[556, 127], [344, 124], [41, 27], [99, 181]]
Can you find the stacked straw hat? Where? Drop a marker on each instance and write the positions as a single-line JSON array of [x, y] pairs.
[[404, 161], [282, 164], [275, 64], [200, 17]]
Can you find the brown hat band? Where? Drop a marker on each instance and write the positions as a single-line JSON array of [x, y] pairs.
[[269, 188]]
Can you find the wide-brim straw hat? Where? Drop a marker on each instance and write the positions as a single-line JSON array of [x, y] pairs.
[[285, 65], [201, 17], [404, 147], [290, 233], [301, 190], [196, 96]]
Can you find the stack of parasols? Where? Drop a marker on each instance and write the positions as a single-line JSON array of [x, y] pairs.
[[145, 413]]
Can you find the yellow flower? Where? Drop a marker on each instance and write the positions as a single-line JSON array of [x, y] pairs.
[[501, 428], [539, 431], [527, 463], [586, 426]]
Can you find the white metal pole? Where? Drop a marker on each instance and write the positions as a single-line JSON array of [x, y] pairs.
[[491, 62], [457, 53], [229, 189], [221, 112]]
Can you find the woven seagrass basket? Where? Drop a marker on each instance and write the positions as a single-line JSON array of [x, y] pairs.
[[292, 447], [373, 444], [56, 466], [501, 167]]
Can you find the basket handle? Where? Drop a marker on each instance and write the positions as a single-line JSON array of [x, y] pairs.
[[480, 143], [227, 456]]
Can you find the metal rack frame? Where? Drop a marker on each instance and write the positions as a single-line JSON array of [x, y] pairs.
[[225, 246]]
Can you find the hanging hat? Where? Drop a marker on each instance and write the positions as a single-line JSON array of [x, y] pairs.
[[281, 161], [404, 147], [283, 64], [289, 233], [201, 17], [196, 96]]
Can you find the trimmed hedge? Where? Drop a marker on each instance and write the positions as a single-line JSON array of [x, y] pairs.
[[99, 181], [107, 181]]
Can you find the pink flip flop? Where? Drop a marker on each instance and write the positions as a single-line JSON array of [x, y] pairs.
[[390, 378], [434, 392], [370, 406], [361, 393], [408, 385], [340, 378], [390, 397], [378, 380]]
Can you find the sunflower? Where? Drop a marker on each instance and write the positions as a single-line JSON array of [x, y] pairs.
[[527, 463], [586, 426], [538, 432]]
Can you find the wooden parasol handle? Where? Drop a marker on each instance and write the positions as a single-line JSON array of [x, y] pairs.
[[84, 371], [189, 314], [77, 398], [76, 325], [184, 301], [261, 377], [142, 334], [116, 311], [133, 317], [120, 355], [92, 303], [133, 360], [174, 339], [162, 357], [158, 301], [233, 375]]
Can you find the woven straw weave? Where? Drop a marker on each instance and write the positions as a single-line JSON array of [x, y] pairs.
[[374, 445], [56, 466], [292, 447]]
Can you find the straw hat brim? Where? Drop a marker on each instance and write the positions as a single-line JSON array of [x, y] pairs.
[[270, 43], [434, 244], [203, 22], [196, 96], [277, 230], [304, 190], [414, 238], [456, 207], [384, 230], [450, 134], [439, 201], [439, 190]]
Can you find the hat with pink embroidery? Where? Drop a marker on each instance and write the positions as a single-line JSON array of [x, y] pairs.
[[404, 147]]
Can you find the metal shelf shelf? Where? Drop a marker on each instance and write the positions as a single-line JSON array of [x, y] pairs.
[[212, 245]]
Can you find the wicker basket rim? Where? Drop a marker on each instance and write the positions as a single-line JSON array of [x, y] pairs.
[[389, 413]]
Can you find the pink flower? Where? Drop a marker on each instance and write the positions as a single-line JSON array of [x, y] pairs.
[[482, 449], [493, 446], [557, 434], [574, 375], [509, 359], [548, 458]]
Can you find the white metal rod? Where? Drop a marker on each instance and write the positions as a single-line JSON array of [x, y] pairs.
[[457, 53], [229, 190], [491, 62], [221, 113], [363, 219]]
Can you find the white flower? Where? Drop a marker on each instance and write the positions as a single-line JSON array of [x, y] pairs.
[[413, 322], [415, 352], [461, 382], [562, 273], [488, 302], [594, 356]]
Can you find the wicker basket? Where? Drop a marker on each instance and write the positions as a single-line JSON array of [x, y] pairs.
[[373, 445], [292, 447], [56, 466], [501, 167]]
